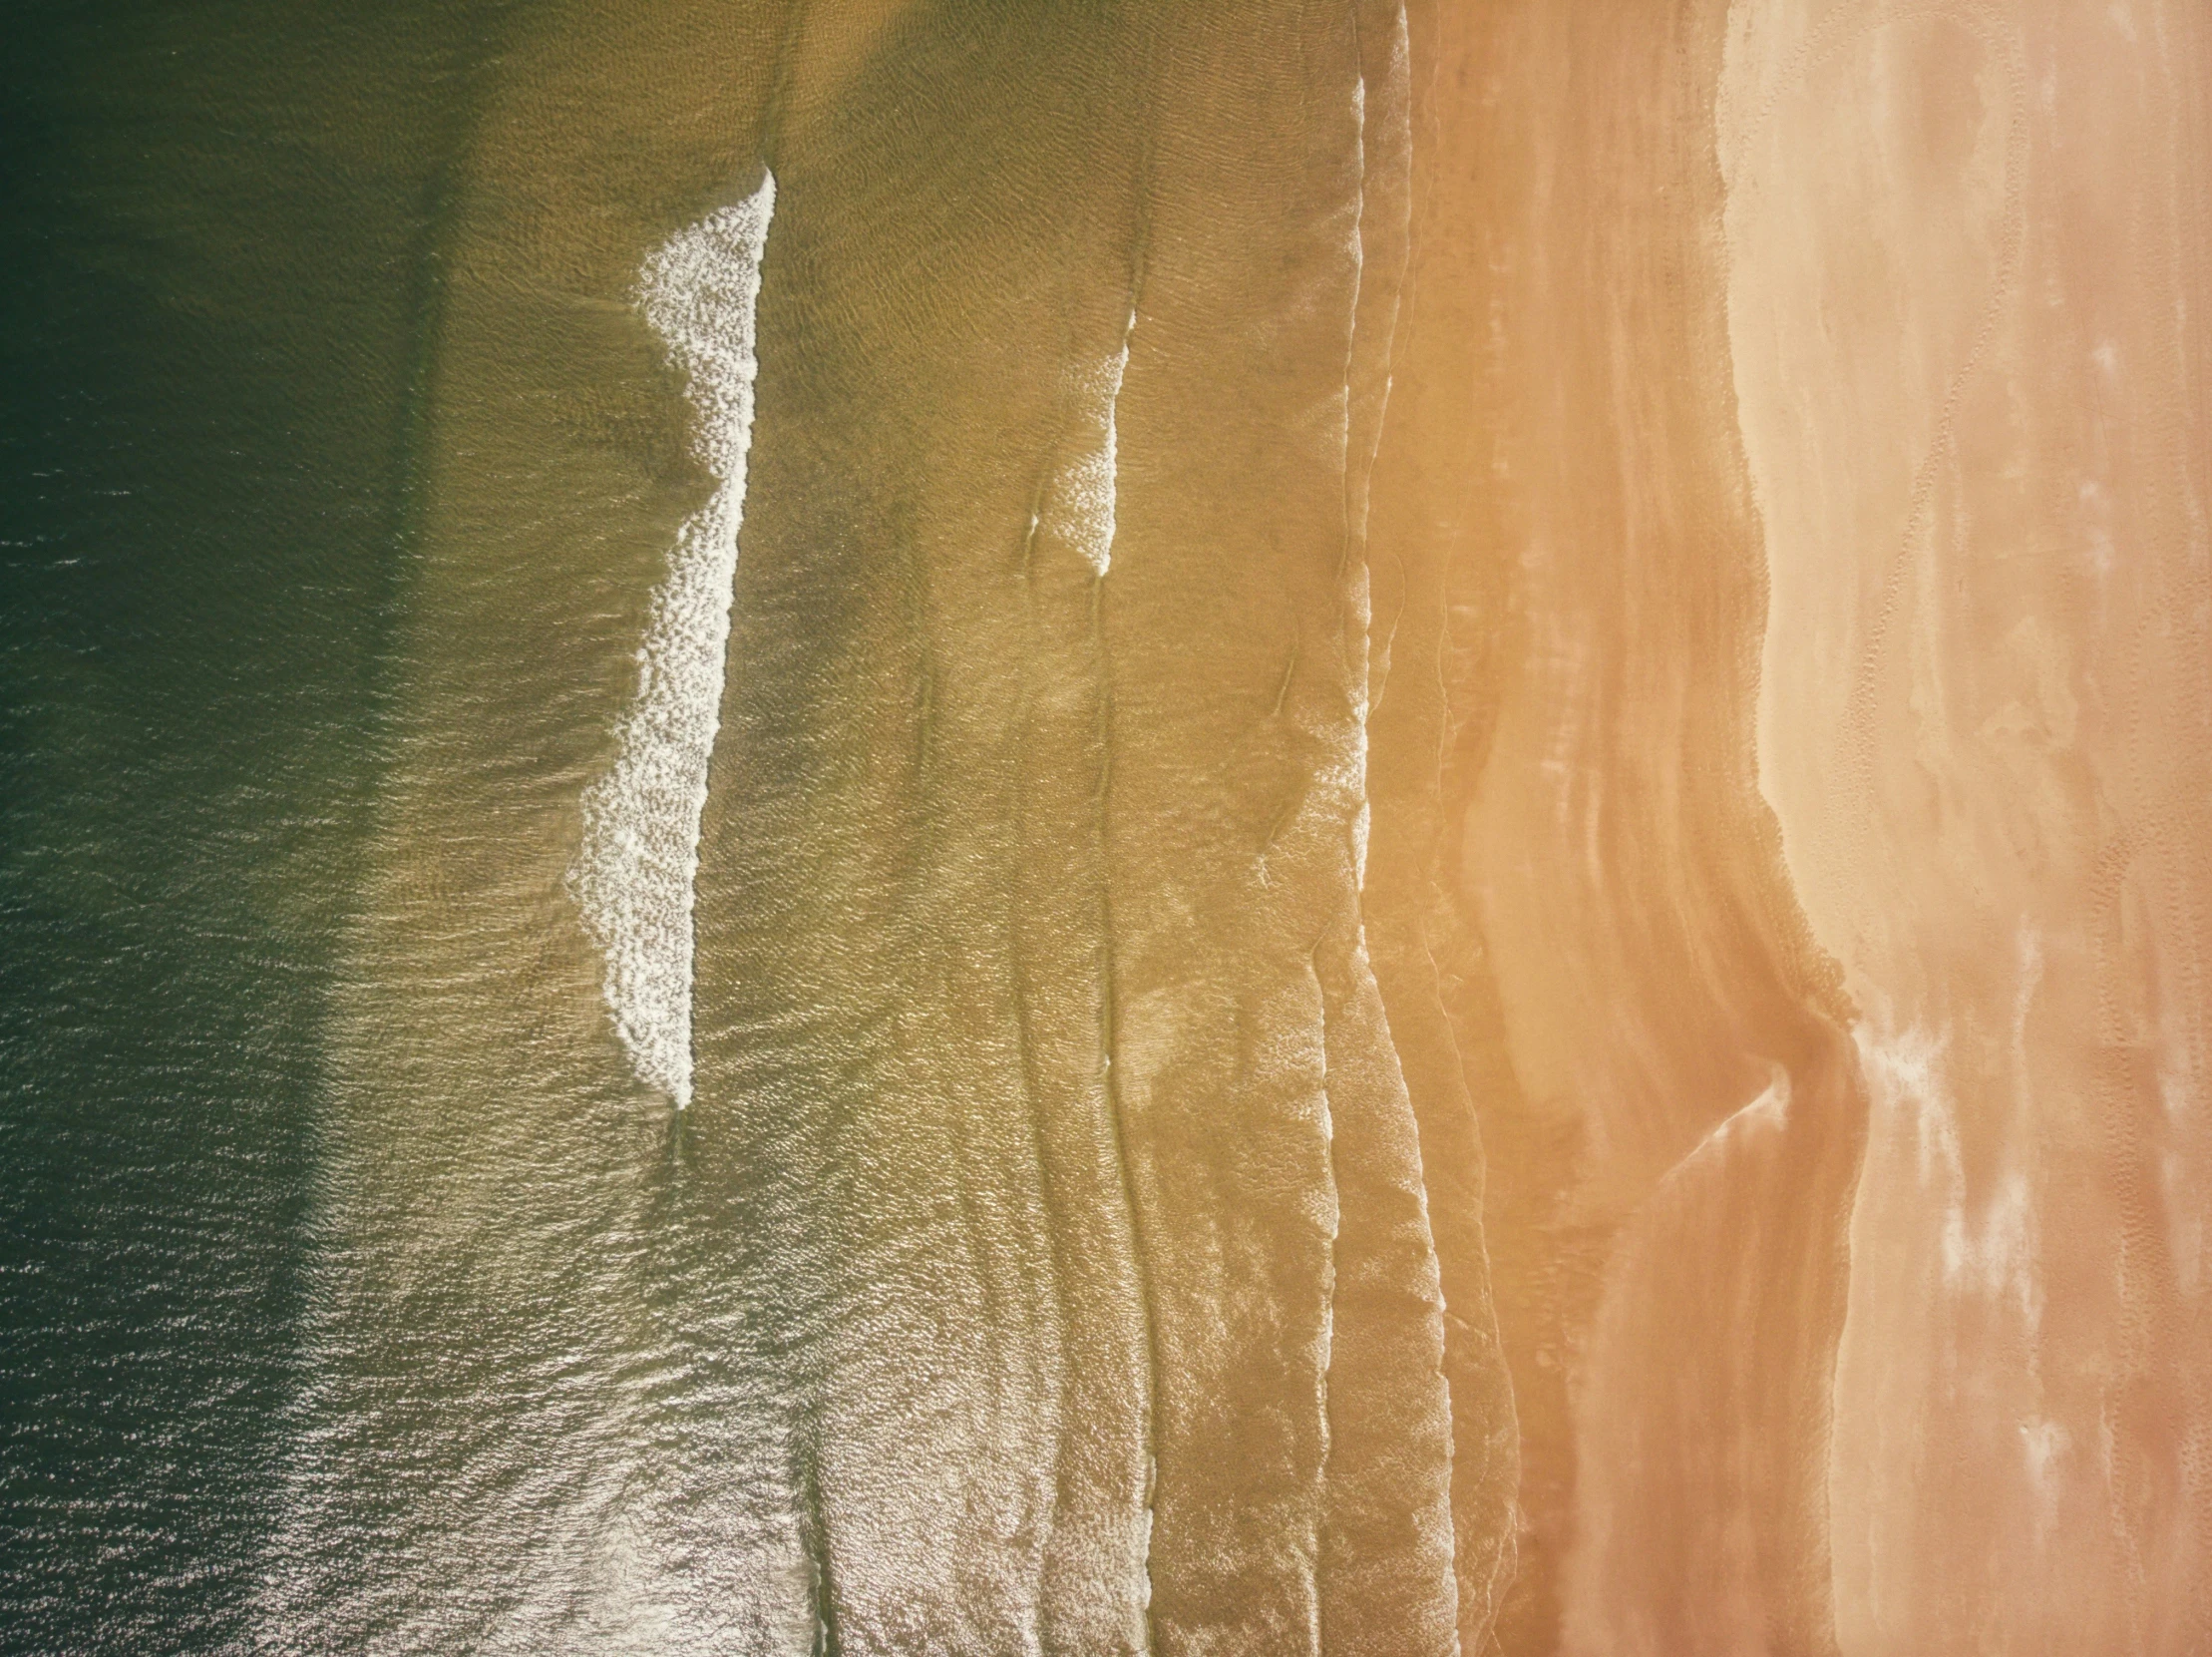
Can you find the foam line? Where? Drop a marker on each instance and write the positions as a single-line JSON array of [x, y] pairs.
[[634, 877], [1088, 488]]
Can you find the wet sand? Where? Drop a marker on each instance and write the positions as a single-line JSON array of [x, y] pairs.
[[1823, 862], [1652, 1042]]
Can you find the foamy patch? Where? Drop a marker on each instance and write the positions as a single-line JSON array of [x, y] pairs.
[[1994, 1252], [1088, 487], [635, 875]]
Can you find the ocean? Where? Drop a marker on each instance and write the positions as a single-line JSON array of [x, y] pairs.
[[221, 225], [419, 1237]]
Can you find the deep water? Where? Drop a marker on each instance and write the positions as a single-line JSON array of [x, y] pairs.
[[219, 235]]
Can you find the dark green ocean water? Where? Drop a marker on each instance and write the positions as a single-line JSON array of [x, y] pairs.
[[1048, 1219], [219, 235]]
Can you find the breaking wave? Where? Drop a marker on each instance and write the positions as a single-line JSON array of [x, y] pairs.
[[634, 877]]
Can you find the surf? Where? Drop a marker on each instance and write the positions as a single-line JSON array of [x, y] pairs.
[[635, 873]]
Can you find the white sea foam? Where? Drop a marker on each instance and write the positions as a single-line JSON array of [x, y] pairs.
[[1085, 492], [633, 879]]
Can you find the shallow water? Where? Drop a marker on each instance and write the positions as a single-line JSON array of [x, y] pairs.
[[1045, 1130]]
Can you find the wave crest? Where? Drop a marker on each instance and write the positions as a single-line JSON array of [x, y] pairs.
[[634, 878]]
